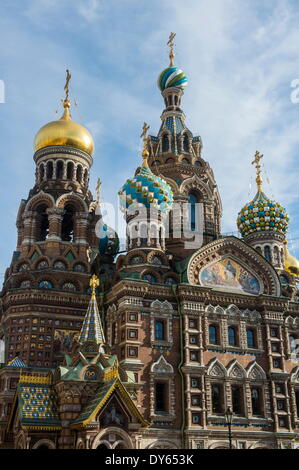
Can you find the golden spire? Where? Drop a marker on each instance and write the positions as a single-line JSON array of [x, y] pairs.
[[256, 162], [98, 190], [145, 152], [170, 43], [94, 283], [66, 102]]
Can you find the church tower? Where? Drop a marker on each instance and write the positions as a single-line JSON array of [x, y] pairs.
[[45, 290], [176, 156]]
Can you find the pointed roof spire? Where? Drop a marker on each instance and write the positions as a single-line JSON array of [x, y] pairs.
[[92, 329]]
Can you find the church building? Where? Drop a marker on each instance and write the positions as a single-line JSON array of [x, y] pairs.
[[168, 345]]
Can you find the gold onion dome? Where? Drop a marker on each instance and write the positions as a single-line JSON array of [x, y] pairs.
[[291, 264], [64, 131]]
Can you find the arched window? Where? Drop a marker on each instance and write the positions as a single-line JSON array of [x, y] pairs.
[[42, 264], [67, 226], [256, 401], [176, 100], [237, 399], [161, 393], [192, 211], [43, 223], [186, 143], [213, 334], [169, 160], [70, 170], [79, 268], [25, 284], [250, 338], [276, 255], [41, 172], [69, 286], [45, 285], [216, 399], [165, 143], [85, 177], [50, 170], [59, 170], [258, 249], [159, 330], [79, 173], [59, 265], [267, 253], [185, 160], [232, 336], [197, 163], [23, 267]]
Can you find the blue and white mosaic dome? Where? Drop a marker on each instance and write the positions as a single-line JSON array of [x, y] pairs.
[[172, 77], [146, 189]]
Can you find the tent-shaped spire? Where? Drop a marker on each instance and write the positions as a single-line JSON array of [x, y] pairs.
[[92, 330]]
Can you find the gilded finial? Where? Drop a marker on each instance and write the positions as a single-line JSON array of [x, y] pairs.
[[98, 190], [145, 152], [256, 162], [170, 43], [66, 102], [94, 283]]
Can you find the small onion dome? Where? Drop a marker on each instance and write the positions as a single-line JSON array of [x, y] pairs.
[[291, 264], [109, 241], [172, 77], [64, 131], [146, 189], [261, 215]]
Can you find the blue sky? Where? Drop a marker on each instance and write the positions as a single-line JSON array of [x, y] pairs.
[[240, 58]]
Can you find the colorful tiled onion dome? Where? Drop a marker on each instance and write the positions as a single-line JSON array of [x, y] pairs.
[[172, 77], [262, 214], [146, 189]]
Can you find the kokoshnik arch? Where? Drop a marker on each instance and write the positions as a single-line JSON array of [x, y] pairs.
[[147, 348]]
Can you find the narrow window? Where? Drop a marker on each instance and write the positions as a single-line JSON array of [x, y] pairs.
[[250, 339], [232, 336], [236, 399], [216, 399], [159, 330], [59, 170], [213, 334], [192, 211], [67, 227], [43, 223], [267, 253], [161, 397], [70, 170], [256, 401], [165, 143]]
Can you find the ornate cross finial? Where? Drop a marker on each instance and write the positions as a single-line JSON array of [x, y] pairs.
[[145, 152], [98, 190], [170, 43], [66, 86], [94, 283], [257, 158]]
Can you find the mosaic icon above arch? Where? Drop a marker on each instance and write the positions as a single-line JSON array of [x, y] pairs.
[[228, 274]]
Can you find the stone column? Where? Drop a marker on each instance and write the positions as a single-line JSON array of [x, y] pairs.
[[81, 228], [55, 217]]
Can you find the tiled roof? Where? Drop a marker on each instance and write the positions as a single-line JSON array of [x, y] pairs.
[[16, 362], [37, 405]]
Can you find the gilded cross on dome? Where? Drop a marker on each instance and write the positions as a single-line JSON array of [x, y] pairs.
[[66, 86], [170, 43], [145, 152], [257, 158], [94, 283]]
